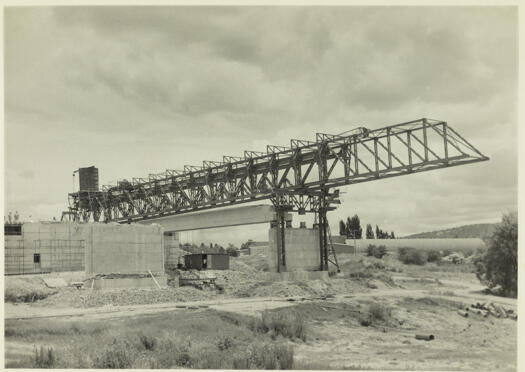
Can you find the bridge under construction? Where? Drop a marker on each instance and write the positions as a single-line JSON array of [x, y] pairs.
[[302, 177]]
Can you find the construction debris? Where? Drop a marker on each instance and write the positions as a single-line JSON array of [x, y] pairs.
[[486, 308], [425, 337]]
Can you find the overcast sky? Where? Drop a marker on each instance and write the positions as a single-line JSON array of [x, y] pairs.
[[140, 90]]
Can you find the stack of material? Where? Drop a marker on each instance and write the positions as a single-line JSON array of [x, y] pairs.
[[495, 310], [196, 278]]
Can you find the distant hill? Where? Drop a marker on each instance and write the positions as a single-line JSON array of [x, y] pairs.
[[480, 230]]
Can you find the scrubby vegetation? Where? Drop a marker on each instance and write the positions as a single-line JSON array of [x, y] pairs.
[[376, 313], [28, 289], [498, 267], [218, 341], [433, 255], [412, 256], [287, 323], [376, 251]]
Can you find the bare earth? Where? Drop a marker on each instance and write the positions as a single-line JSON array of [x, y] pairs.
[[420, 303]]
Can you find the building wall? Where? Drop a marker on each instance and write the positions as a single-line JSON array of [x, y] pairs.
[[172, 250], [301, 249], [219, 261], [95, 248], [131, 248], [60, 246]]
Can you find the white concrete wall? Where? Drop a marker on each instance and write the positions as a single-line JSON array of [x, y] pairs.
[[454, 244], [301, 249], [123, 248], [172, 252], [95, 248]]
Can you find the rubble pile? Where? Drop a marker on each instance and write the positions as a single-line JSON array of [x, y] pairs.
[[70, 297], [488, 308]]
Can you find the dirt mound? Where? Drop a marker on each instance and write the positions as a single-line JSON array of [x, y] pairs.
[[26, 289], [70, 297], [255, 262]]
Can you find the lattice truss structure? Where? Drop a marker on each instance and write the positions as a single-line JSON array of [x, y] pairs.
[[301, 177]]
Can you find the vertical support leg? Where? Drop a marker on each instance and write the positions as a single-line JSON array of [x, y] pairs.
[[280, 240], [323, 240], [278, 243], [321, 260], [282, 224]]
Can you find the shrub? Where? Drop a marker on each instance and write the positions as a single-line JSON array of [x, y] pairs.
[[376, 251], [225, 343], [45, 358], [433, 255], [498, 267], [412, 256], [148, 342], [379, 312], [286, 323]]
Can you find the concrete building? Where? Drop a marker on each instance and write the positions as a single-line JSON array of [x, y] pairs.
[[95, 248]]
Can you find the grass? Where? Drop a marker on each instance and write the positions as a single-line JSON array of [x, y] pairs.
[[434, 302], [218, 341], [286, 323]]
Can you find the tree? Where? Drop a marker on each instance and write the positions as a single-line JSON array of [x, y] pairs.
[[369, 232], [358, 231], [349, 228], [498, 266], [379, 233], [392, 236], [232, 250], [342, 228]]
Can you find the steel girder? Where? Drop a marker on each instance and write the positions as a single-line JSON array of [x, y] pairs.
[[294, 177]]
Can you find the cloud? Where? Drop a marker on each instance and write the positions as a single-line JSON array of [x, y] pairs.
[[137, 90]]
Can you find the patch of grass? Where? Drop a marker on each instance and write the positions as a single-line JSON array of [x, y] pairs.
[[157, 341], [119, 354], [319, 366], [45, 358], [148, 342], [287, 323], [27, 289], [35, 330], [435, 302]]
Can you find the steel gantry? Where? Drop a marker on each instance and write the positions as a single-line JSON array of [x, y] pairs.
[[300, 178]]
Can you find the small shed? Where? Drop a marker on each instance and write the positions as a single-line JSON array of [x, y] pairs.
[[203, 261]]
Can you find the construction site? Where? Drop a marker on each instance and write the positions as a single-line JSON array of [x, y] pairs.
[[307, 297]]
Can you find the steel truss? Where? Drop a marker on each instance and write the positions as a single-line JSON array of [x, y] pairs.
[[296, 178]]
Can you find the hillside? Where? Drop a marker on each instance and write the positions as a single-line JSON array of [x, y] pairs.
[[481, 230]]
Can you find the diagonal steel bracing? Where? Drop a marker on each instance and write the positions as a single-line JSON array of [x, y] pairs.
[[298, 177]]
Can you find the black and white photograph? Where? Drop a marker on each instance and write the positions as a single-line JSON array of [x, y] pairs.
[[262, 186]]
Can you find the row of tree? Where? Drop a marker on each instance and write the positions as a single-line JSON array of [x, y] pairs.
[[352, 230], [212, 248]]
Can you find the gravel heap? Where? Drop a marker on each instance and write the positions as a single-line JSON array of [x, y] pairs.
[[71, 297]]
